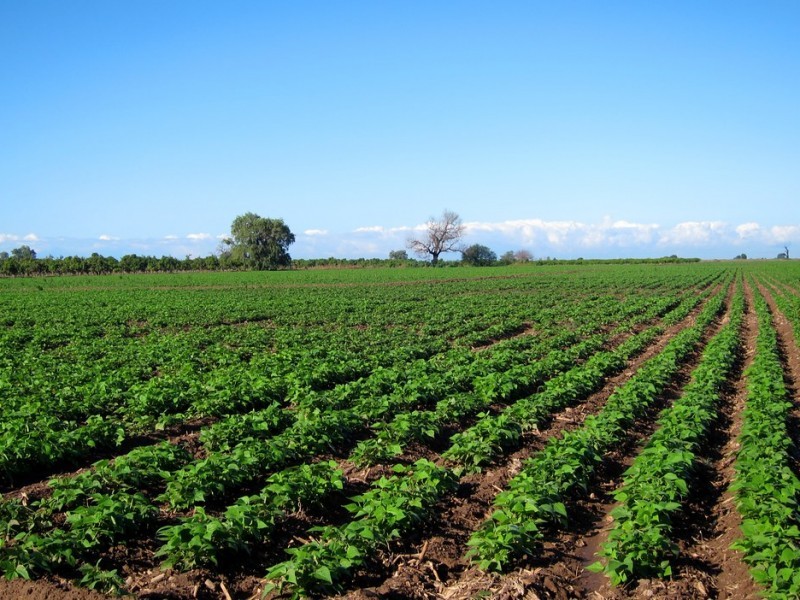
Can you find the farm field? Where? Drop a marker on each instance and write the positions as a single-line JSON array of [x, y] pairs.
[[557, 431]]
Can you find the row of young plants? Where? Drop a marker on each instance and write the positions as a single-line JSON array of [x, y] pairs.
[[261, 457], [765, 486], [788, 301], [187, 547], [391, 508], [222, 473], [328, 420], [535, 498], [203, 539], [103, 520], [308, 572], [31, 446], [312, 430], [206, 368], [640, 544], [495, 434], [100, 506], [58, 376], [319, 566], [423, 424], [228, 376]]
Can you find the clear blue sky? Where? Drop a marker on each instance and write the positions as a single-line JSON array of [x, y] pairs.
[[566, 128]]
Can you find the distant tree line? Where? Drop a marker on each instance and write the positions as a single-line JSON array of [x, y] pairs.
[[258, 243], [22, 263], [16, 266]]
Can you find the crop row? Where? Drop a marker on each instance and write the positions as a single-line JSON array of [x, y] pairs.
[[535, 497], [766, 487], [184, 544], [288, 375], [135, 383], [640, 543], [388, 510], [331, 423]]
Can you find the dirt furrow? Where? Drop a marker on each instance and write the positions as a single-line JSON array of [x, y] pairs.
[[707, 567], [579, 546], [559, 571], [433, 564]]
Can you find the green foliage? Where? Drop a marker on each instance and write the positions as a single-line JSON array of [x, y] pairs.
[[639, 545], [478, 255], [106, 581], [212, 477], [766, 487], [202, 539], [535, 497], [278, 370], [260, 243], [225, 434], [146, 466], [389, 509]]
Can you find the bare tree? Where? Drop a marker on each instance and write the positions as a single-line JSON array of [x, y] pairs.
[[523, 256], [442, 235]]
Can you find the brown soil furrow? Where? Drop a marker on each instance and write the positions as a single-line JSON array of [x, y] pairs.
[[36, 486], [559, 571], [731, 575], [580, 545], [707, 567], [442, 571], [525, 329]]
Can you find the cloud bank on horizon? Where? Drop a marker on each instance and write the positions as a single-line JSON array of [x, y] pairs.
[[567, 239]]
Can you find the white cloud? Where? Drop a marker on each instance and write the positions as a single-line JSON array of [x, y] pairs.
[[748, 230], [12, 237], [607, 238], [390, 233], [777, 235], [696, 233], [567, 234], [782, 234]]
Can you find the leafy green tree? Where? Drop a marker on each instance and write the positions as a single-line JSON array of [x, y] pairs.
[[133, 263], [478, 255], [507, 258], [23, 253], [260, 243], [398, 255]]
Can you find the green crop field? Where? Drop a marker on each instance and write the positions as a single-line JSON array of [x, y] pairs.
[[616, 431]]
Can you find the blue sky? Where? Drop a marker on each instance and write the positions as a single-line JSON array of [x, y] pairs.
[[594, 129]]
